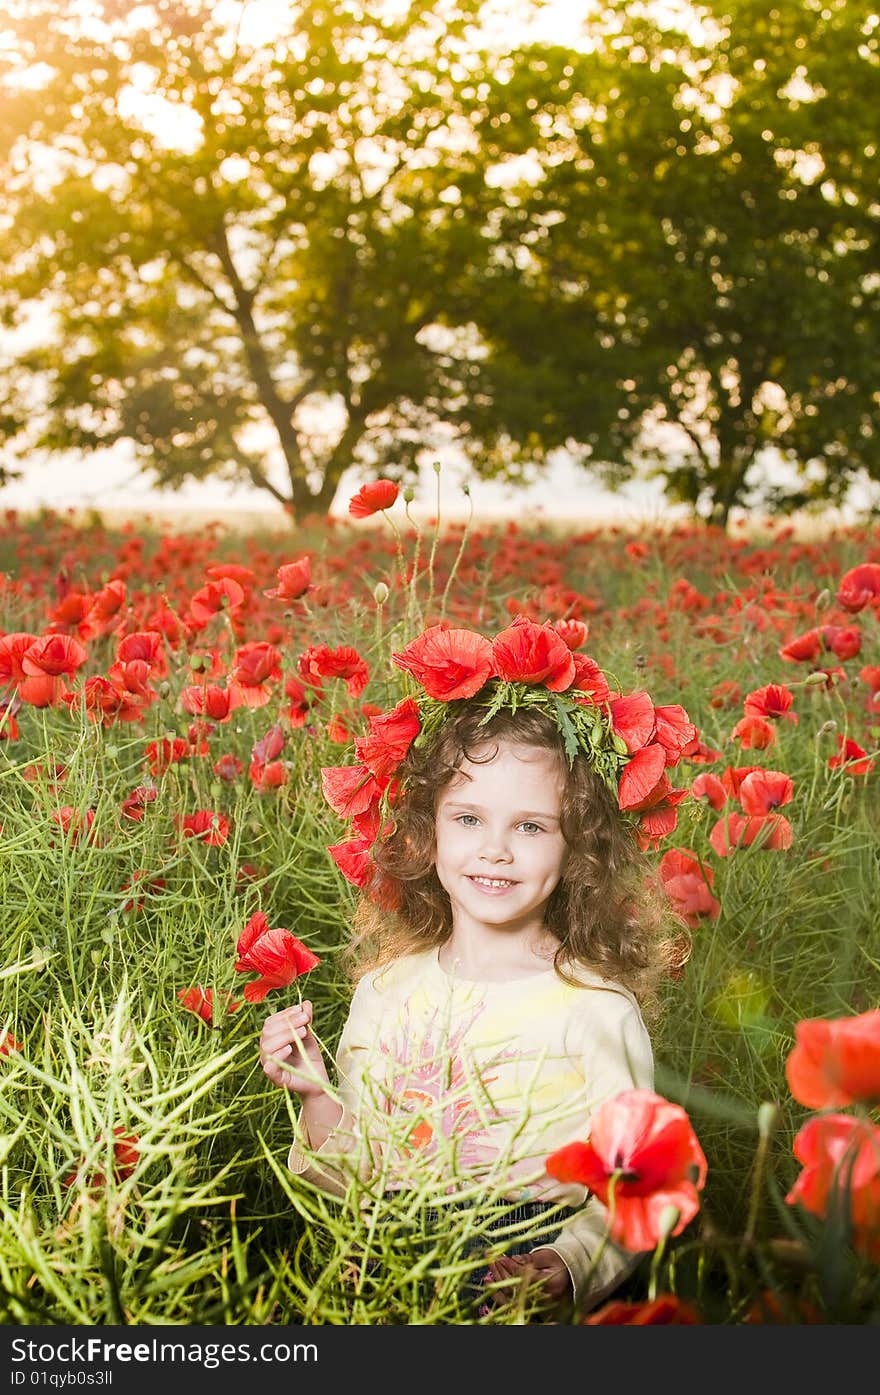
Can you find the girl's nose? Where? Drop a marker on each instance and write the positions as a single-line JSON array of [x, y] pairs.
[[495, 849]]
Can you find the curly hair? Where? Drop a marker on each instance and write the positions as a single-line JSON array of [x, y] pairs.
[[608, 910]]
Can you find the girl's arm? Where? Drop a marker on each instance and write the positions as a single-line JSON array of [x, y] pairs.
[[329, 1148]]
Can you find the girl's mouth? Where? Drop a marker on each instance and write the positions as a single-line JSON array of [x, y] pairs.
[[492, 883]]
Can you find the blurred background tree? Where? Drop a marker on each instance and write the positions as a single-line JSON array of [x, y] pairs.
[[372, 235], [704, 220]]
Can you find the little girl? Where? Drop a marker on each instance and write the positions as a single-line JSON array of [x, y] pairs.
[[509, 942]]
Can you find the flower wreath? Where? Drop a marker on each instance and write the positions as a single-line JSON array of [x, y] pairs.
[[629, 742]]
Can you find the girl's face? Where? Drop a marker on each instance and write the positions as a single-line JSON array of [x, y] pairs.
[[499, 846]]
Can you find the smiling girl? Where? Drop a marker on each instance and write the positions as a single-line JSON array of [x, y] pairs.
[[508, 944]]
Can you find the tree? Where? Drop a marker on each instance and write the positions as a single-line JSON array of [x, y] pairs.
[[249, 253], [692, 273]]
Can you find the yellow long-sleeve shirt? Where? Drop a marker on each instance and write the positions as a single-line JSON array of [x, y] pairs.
[[446, 1078]]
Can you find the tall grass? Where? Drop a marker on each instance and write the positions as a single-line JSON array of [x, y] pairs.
[[142, 1152]]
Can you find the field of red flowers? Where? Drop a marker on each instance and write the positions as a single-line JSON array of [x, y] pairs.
[[167, 703]]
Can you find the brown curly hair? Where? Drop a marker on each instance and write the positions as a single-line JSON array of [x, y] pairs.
[[608, 910]]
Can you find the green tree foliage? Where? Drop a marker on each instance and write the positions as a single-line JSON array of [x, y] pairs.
[[248, 251], [692, 274], [370, 236]]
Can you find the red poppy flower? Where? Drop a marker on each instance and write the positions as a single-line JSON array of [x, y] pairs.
[[389, 738], [74, 823], [633, 719], [708, 787], [214, 598], [762, 791], [254, 665], [666, 1310], [589, 680], [697, 752], [725, 694], [294, 580], [103, 701], [373, 497], [841, 1161], [774, 700], [851, 757], [126, 1154], [530, 653], [733, 776], [54, 655], [207, 700], [644, 1149], [354, 861], [243, 575], [13, 648], [144, 882], [753, 733], [134, 804], [835, 1061], [642, 777], [275, 954], [573, 632], [103, 613], [870, 676], [843, 641], [319, 662], [269, 776], [674, 731], [8, 1043], [859, 587], [351, 789], [228, 767], [803, 648], [299, 707], [772, 833], [688, 886], [200, 1001], [165, 752], [448, 663], [206, 825], [660, 815], [147, 645]]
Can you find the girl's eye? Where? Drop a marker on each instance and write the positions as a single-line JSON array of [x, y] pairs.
[[463, 818], [531, 827]]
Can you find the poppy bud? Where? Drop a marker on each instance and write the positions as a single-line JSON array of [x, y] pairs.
[[817, 676], [409, 494], [827, 728], [823, 600], [380, 593], [769, 1118], [436, 467], [667, 1221], [164, 689]]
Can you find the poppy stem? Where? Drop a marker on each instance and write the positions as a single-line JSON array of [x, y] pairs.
[[768, 1118], [459, 554]]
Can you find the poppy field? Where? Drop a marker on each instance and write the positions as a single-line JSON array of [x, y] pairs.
[[168, 701]]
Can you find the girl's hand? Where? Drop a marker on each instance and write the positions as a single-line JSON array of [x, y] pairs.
[[542, 1270], [290, 1054]]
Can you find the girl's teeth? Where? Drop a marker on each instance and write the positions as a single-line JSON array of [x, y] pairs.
[[491, 881]]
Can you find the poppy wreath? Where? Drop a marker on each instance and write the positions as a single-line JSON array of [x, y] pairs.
[[629, 741]]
